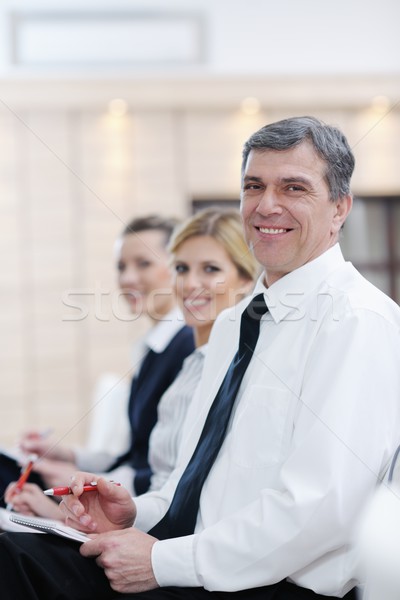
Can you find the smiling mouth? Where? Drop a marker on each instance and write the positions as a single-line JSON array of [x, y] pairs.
[[196, 303], [273, 230]]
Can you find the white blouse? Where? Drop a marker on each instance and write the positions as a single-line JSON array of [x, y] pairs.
[[166, 436]]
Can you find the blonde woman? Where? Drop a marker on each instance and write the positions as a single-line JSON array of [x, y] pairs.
[[214, 269]]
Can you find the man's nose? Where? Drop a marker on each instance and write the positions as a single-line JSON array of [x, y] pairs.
[[269, 203]]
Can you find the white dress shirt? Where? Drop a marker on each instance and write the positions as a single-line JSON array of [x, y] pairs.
[[315, 423], [166, 436]]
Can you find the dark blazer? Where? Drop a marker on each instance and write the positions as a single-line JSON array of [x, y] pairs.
[[157, 372]]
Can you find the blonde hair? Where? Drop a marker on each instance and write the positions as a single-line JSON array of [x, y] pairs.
[[225, 226]]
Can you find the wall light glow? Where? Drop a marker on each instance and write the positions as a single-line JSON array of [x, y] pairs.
[[380, 104], [250, 105], [117, 107]]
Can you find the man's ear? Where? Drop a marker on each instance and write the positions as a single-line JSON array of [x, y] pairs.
[[343, 208]]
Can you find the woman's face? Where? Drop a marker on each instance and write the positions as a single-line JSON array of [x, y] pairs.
[[145, 276], [206, 282]]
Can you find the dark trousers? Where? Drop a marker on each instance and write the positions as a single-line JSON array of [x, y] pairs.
[[45, 567]]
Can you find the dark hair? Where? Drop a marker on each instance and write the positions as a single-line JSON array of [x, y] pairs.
[[329, 143], [150, 223]]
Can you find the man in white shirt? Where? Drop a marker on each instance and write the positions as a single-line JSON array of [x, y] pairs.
[[313, 428]]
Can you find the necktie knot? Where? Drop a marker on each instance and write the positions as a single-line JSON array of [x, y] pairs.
[[257, 307]]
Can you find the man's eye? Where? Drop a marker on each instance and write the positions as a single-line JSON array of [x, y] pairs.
[[295, 188], [252, 186]]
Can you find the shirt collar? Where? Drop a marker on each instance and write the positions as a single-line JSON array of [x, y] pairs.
[[286, 295], [202, 349], [159, 336]]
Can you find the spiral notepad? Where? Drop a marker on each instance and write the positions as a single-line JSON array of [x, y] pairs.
[[48, 526]]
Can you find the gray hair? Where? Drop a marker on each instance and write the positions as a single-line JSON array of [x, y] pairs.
[[329, 143]]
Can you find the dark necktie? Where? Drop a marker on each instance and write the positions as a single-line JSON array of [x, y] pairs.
[[181, 516]]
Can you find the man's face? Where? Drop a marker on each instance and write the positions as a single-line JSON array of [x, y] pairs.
[[288, 217]]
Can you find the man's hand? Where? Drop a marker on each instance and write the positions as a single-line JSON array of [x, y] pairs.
[[125, 557], [107, 509]]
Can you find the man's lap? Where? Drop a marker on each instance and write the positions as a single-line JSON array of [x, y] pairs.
[[46, 567]]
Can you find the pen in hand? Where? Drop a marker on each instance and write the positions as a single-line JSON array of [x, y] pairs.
[[25, 472], [66, 490]]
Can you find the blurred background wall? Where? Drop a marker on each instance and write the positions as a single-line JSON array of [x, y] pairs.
[[113, 109]]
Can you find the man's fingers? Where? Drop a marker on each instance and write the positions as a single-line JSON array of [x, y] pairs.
[[93, 548], [79, 479], [72, 509], [84, 523], [110, 489]]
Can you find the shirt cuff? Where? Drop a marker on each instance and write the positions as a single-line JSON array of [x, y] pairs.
[[173, 562], [149, 511]]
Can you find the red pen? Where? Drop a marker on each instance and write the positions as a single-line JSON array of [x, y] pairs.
[[25, 472], [66, 490]]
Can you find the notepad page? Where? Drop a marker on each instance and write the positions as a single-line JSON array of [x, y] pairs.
[[48, 526]]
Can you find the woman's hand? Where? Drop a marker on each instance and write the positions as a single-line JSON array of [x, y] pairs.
[[30, 500], [35, 442]]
